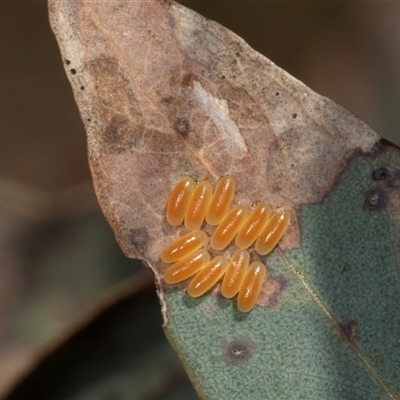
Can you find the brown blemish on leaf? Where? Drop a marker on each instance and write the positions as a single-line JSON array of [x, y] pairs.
[[188, 79], [182, 126], [148, 66], [392, 189], [272, 290], [238, 352], [381, 147], [118, 105], [140, 239], [380, 174], [117, 134], [348, 330], [375, 199], [394, 180]]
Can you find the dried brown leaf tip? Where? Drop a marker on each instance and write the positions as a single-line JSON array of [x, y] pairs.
[[194, 204], [168, 93]]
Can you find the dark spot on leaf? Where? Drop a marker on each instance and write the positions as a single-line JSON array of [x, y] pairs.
[[73, 71], [238, 351], [380, 174], [394, 180], [188, 78], [182, 126], [348, 331], [82, 87], [67, 62], [274, 289], [112, 92], [374, 199], [383, 143], [277, 94], [139, 238], [294, 115], [380, 147], [169, 101], [165, 101], [111, 135], [118, 134], [345, 269]]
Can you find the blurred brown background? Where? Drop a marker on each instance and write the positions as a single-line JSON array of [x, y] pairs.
[[57, 255]]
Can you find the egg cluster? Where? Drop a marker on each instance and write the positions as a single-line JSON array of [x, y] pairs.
[[191, 204]]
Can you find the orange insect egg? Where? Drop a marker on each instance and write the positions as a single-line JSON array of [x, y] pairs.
[[251, 286], [187, 267], [228, 228], [184, 246], [235, 273], [253, 226], [179, 200], [208, 276], [272, 232], [221, 200], [198, 205]]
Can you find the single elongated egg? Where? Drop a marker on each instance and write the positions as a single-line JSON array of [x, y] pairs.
[[251, 286], [228, 228], [179, 200], [235, 273], [253, 226], [186, 267], [221, 200], [184, 246], [208, 276], [198, 205], [272, 232]]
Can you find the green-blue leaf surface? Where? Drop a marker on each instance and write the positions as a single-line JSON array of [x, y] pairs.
[[335, 331]]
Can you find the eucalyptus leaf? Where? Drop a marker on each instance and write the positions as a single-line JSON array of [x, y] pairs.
[[164, 93]]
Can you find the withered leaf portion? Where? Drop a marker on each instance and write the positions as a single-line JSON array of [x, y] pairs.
[[164, 93]]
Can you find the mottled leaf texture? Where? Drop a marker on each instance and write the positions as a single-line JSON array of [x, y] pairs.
[[164, 93]]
